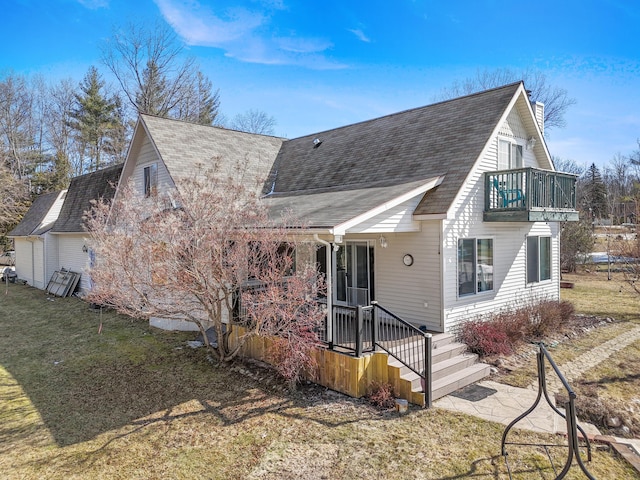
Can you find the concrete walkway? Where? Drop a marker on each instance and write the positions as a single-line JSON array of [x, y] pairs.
[[503, 403]]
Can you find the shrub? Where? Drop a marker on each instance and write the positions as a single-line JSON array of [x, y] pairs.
[[500, 333], [548, 317], [381, 395], [486, 338]]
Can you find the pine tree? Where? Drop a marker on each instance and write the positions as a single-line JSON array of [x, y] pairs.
[[94, 119], [594, 195]]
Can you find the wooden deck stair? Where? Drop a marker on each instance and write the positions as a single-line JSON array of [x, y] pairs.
[[452, 367]]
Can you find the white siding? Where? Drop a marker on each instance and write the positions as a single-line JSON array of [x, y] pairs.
[[36, 259], [513, 126], [396, 219], [412, 293], [71, 256], [509, 244], [38, 263], [147, 157], [24, 259], [50, 256]]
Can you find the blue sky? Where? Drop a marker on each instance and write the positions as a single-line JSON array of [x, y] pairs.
[[319, 65]]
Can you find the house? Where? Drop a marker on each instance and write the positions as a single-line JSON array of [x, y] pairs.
[[73, 252], [36, 248], [51, 235], [439, 213], [163, 151], [424, 218]]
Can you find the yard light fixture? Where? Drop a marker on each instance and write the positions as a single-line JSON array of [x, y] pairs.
[[85, 249], [383, 242]]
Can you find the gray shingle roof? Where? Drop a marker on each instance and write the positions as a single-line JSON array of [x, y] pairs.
[[445, 138], [34, 216], [83, 189], [183, 146], [327, 209]]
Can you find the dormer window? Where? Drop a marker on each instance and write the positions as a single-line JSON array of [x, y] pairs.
[[509, 155], [151, 180]]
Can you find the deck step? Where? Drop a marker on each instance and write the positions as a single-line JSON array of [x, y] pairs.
[[453, 365], [441, 339], [446, 370], [443, 352], [447, 351], [456, 381]]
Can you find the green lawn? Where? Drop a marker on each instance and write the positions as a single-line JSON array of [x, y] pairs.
[[133, 402]]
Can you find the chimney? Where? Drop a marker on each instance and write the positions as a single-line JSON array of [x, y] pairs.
[[538, 110]]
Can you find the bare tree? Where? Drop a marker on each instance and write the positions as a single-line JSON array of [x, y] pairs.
[[17, 127], [156, 78], [556, 99], [254, 121], [193, 253], [57, 124], [14, 199], [567, 165]]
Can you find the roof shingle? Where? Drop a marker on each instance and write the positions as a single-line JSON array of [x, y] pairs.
[[82, 190], [443, 139], [185, 147], [31, 223]]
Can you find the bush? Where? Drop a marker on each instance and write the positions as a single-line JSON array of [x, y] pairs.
[[548, 317], [486, 338], [381, 395], [501, 333]]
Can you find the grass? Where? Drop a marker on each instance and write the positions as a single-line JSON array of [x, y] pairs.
[[133, 402], [612, 388], [593, 295]]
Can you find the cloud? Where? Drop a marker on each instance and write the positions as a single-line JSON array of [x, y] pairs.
[[199, 26], [360, 34], [245, 34]]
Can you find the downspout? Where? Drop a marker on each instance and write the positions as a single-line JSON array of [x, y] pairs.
[[329, 249]]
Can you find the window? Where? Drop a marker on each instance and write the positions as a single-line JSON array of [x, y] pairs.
[[475, 265], [509, 155], [150, 180], [538, 259]]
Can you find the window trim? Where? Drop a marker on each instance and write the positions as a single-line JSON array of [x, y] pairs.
[[474, 274], [150, 180], [538, 252], [514, 146]]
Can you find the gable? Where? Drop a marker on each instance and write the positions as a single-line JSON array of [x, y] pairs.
[[43, 212], [516, 120], [186, 148]]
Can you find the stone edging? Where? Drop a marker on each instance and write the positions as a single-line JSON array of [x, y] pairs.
[[621, 448]]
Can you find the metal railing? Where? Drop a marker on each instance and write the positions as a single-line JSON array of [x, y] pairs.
[[529, 189], [361, 329], [569, 416]]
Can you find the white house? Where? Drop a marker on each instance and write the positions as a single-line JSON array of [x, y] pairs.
[[51, 235], [71, 238], [438, 214], [434, 215], [36, 248]]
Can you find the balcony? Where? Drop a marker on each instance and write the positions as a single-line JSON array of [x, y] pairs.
[[529, 195]]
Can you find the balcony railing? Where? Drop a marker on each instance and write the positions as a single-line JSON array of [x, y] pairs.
[[529, 195]]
